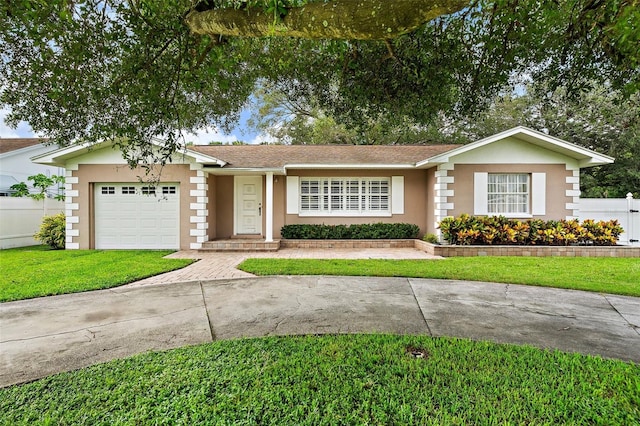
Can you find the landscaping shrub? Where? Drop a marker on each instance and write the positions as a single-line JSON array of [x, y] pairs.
[[431, 238], [372, 231], [499, 230], [52, 231]]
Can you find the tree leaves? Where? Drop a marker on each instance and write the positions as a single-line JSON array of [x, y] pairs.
[[91, 70], [118, 70]]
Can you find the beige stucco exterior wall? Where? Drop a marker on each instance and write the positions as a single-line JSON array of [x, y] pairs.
[[555, 191], [212, 207], [415, 198], [87, 175], [224, 207]]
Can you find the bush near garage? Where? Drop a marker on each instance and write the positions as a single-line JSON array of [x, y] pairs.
[[52, 231], [372, 231], [499, 230]]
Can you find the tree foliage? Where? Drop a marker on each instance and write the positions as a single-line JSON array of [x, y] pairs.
[[301, 121], [600, 119], [43, 185], [129, 70]]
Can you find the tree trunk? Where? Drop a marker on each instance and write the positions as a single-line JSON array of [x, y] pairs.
[[336, 19]]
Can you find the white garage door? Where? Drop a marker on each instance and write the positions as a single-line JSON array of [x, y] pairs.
[[137, 216]]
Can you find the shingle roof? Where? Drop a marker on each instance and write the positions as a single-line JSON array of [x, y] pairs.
[[13, 144], [278, 156]]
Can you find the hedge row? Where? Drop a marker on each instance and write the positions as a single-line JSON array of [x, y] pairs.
[[373, 231], [498, 230]]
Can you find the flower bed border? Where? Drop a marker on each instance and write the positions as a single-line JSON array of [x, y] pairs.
[[344, 244], [469, 251], [530, 251]]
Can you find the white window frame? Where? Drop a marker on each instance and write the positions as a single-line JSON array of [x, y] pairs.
[[537, 195], [512, 192], [345, 196]]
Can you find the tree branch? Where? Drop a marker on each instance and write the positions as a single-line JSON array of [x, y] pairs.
[[335, 19]]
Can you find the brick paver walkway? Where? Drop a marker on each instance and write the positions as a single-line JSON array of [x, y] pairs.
[[222, 265]]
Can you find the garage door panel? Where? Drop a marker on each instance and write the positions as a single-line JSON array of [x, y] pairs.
[[127, 217], [128, 223], [149, 226], [148, 240], [166, 223], [126, 240]]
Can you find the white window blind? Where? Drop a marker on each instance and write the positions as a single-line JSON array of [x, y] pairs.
[[345, 196]]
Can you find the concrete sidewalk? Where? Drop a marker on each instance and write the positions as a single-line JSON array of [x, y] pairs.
[[39, 337], [222, 265]]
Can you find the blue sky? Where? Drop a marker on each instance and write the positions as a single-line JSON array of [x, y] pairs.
[[203, 136]]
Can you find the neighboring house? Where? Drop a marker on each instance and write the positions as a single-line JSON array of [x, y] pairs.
[[221, 192], [21, 217], [16, 165]]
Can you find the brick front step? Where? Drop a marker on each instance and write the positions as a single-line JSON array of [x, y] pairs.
[[240, 245]]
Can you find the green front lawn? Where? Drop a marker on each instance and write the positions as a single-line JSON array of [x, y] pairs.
[[603, 274], [347, 379], [38, 271]]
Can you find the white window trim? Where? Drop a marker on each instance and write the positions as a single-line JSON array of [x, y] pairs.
[[538, 191], [293, 195], [481, 193], [397, 194], [537, 196], [342, 213], [522, 203]]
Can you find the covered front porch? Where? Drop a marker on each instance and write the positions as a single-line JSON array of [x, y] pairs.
[[240, 211]]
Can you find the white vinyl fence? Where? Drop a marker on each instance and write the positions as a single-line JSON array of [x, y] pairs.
[[625, 210], [20, 218]]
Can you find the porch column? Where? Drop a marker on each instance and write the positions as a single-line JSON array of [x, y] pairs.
[[268, 237]]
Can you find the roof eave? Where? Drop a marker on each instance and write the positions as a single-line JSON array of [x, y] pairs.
[[585, 156], [204, 159], [325, 166], [58, 157], [235, 171], [601, 160], [432, 162], [20, 151]]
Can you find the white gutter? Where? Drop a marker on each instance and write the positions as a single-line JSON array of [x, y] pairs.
[[350, 166], [242, 171]]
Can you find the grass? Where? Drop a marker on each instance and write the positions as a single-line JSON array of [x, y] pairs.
[[38, 271], [607, 275], [347, 379]]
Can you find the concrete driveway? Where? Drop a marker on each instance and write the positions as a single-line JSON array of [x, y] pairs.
[[43, 336]]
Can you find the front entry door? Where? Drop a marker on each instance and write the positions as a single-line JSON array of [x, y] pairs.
[[248, 205]]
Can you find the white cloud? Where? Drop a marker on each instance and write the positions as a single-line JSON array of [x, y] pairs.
[[201, 137], [262, 138], [22, 131], [207, 135]]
